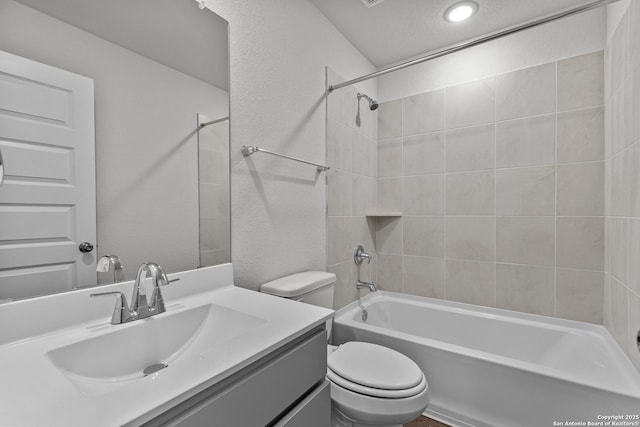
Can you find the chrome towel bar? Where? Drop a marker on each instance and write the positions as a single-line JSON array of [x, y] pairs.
[[249, 150]]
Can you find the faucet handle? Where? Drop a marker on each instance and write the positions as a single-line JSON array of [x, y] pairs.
[[121, 312], [359, 255], [157, 300]]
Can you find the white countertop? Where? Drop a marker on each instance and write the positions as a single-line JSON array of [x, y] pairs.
[[35, 393]]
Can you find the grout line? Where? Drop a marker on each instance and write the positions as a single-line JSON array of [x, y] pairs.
[[444, 195], [555, 201], [402, 115], [495, 194]]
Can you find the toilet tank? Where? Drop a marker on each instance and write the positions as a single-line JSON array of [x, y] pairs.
[[311, 287]]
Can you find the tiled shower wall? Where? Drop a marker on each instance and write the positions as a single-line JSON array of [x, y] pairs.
[[351, 154], [500, 183], [622, 184]]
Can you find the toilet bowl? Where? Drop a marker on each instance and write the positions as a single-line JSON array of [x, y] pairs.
[[371, 385]]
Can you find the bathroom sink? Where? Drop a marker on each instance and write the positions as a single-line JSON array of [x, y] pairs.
[[125, 351]]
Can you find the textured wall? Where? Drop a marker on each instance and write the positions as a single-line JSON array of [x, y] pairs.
[[500, 182], [279, 51], [622, 175]]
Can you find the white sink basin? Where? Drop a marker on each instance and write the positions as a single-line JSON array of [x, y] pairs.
[[124, 351], [67, 366]]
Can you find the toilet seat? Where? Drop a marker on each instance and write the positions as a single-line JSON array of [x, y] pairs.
[[374, 370], [376, 392]]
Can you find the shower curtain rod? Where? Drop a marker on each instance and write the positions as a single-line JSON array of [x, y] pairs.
[[213, 122], [475, 42]]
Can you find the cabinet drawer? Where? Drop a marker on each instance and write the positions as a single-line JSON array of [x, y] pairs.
[[313, 411], [260, 393]]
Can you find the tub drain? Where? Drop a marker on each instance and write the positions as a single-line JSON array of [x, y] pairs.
[[153, 368]]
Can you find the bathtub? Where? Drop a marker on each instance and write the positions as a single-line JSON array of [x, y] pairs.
[[492, 368]]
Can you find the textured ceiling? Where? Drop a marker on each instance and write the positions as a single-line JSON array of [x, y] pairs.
[[395, 30]]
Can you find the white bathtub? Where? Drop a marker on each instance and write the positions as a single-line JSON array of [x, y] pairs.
[[496, 368]]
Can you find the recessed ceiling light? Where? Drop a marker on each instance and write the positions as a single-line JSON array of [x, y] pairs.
[[460, 11]]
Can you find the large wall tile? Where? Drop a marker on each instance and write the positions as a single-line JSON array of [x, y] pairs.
[[527, 92], [581, 81], [389, 272], [632, 108], [390, 158], [389, 235], [423, 195], [634, 36], [339, 197], [581, 189], [617, 248], [364, 194], [525, 288], [390, 194], [579, 295], [470, 193], [471, 148], [471, 282], [580, 243], [361, 154], [338, 145], [633, 329], [423, 236], [344, 290], [581, 135], [526, 191], [339, 242], [423, 154], [633, 252], [525, 240], [390, 120], [363, 232], [471, 238], [423, 113], [616, 309], [526, 142], [423, 276], [470, 104]]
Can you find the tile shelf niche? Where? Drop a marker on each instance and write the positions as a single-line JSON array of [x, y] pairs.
[[383, 213]]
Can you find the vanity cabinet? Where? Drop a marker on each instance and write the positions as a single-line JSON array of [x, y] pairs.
[[286, 388]]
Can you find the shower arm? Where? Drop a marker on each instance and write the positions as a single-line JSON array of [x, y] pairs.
[[475, 42]]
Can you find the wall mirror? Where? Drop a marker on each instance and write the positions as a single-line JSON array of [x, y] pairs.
[[148, 93]]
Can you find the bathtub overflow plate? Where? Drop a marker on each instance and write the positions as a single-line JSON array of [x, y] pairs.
[[638, 342]]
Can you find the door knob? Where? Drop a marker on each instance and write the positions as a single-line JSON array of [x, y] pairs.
[[85, 247]]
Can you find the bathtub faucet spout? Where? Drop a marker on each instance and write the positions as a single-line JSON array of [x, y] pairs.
[[366, 285]]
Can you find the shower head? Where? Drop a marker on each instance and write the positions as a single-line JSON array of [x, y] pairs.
[[373, 104]]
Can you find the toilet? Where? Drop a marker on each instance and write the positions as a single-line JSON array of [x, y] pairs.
[[371, 385]]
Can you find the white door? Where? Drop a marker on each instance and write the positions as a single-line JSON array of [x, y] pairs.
[[47, 199]]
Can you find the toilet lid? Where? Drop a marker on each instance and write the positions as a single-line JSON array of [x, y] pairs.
[[376, 392], [375, 366]]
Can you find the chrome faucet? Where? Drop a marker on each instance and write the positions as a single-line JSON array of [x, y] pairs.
[[359, 255], [140, 308], [106, 262], [366, 285], [139, 302]]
